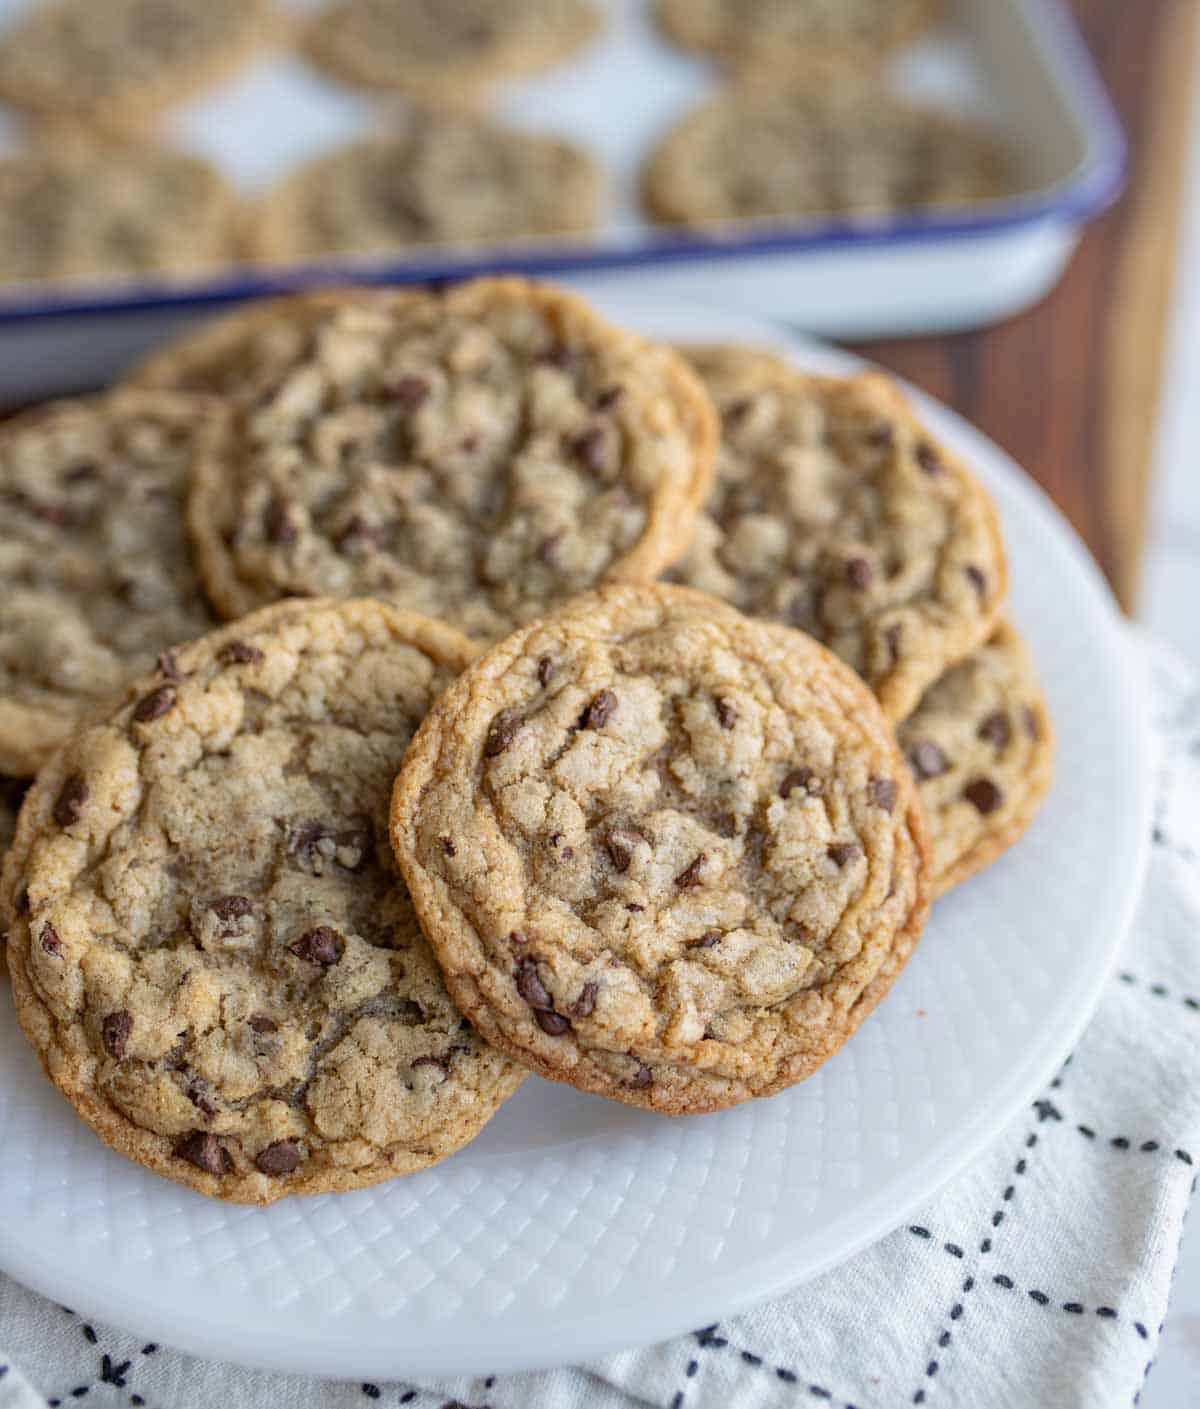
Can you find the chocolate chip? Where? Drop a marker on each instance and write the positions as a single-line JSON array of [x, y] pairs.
[[552, 1024], [548, 548], [566, 359], [196, 1094], [304, 840], [319, 946], [892, 639], [726, 714], [261, 1023], [882, 792], [83, 473], [927, 760], [928, 458], [69, 807], [51, 943], [608, 398], [232, 907], [599, 711], [1033, 724], [545, 669], [409, 392], [976, 578], [154, 705], [591, 446], [640, 1079], [502, 731], [277, 522], [22, 900], [841, 852], [995, 729], [803, 778], [620, 842], [737, 410], [634, 908], [54, 514], [531, 987], [447, 845], [241, 653], [690, 875], [203, 1150], [706, 940], [585, 1005], [859, 574], [801, 612], [360, 533], [983, 795], [114, 1031], [280, 1157], [882, 436], [168, 666]]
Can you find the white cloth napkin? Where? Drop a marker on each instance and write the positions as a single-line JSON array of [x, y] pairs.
[[1039, 1278]]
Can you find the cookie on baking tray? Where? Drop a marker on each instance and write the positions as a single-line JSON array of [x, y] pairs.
[[450, 52], [117, 64], [782, 152], [433, 178], [76, 209]]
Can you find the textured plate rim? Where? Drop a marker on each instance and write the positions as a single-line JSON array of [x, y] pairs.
[[631, 1324]]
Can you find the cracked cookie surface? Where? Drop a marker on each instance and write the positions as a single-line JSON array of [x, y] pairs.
[[445, 50], [478, 455], [95, 573], [440, 178], [212, 950], [981, 747], [784, 152], [836, 512], [795, 35], [87, 210], [119, 62], [662, 852]]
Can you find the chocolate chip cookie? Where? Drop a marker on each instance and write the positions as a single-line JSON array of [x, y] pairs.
[[662, 852], [95, 574], [795, 35], [981, 747], [782, 152], [118, 63], [837, 512], [437, 178], [445, 50], [211, 948], [479, 455], [79, 209]]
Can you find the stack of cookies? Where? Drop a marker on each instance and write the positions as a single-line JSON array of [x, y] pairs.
[[582, 706]]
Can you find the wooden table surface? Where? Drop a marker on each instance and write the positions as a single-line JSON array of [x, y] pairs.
[[1070, 388]]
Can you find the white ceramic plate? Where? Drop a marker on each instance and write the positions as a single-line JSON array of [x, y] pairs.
[[574, 1226]]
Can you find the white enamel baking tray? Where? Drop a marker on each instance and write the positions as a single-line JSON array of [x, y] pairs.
[[1018, 64]]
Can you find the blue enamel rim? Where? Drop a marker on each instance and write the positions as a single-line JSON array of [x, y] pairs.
[[1093, 188]]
